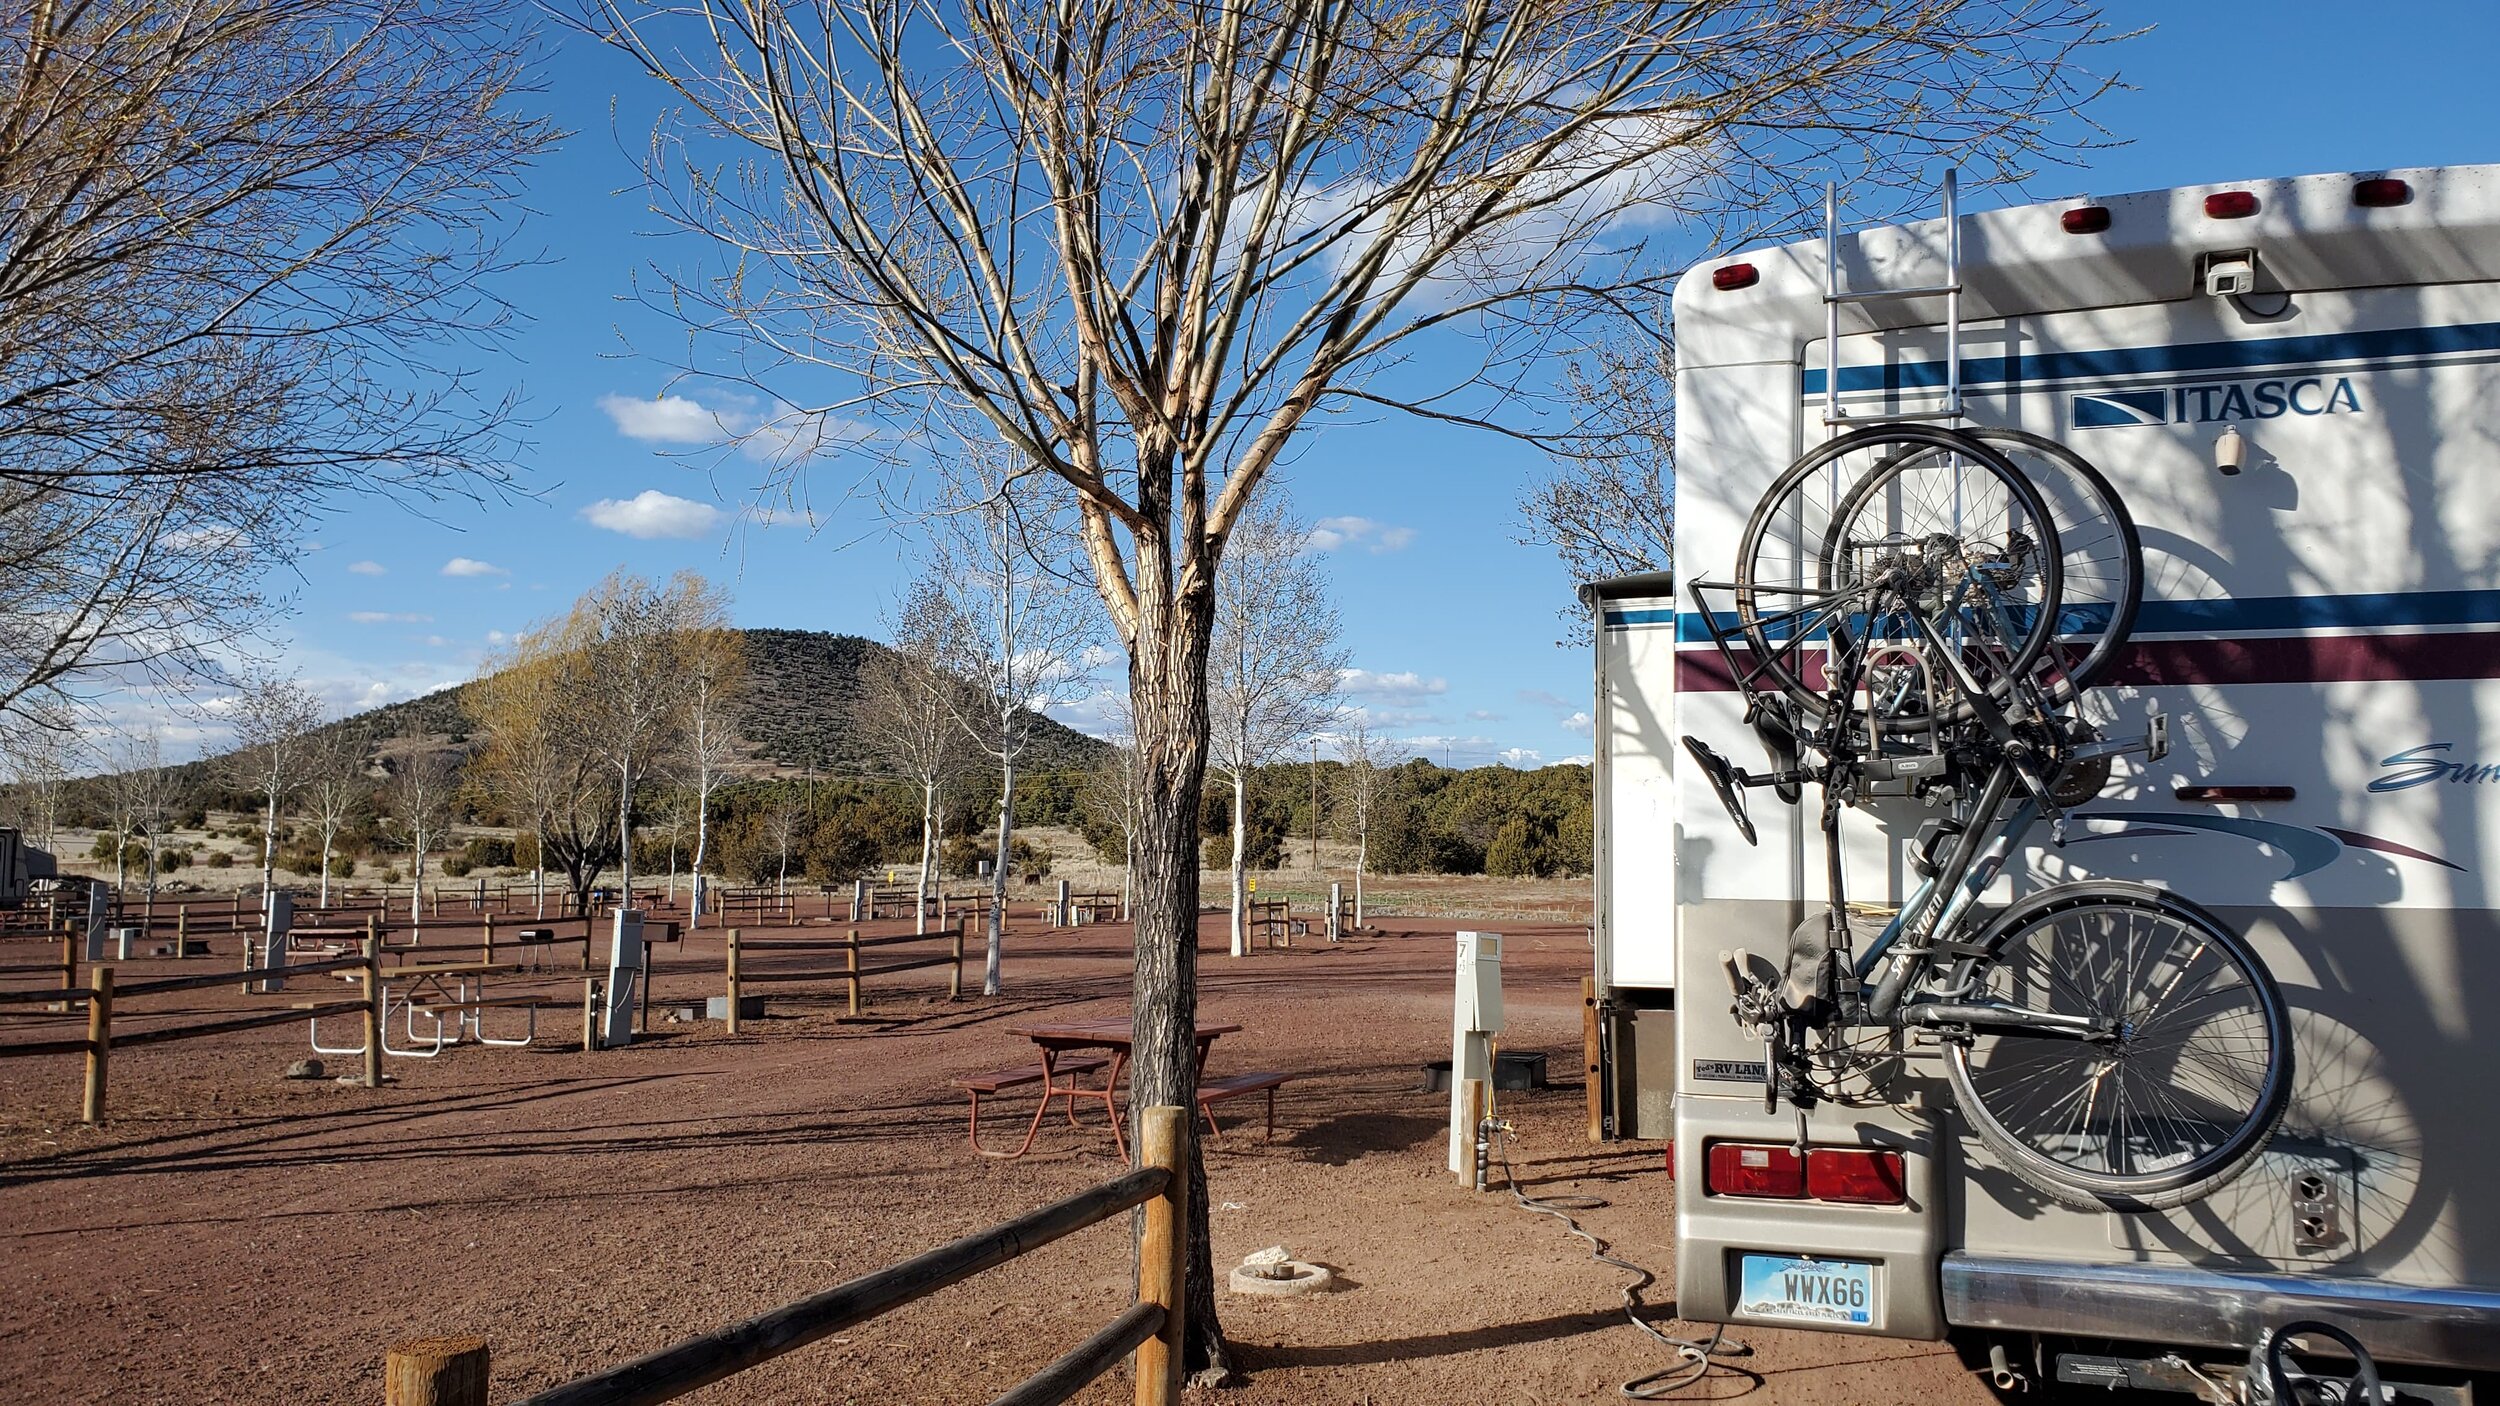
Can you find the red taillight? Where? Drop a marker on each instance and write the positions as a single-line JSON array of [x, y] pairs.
[[2382, 190], [2231, 205], [1859, 1178], [2085, 219], [1670, 1159], [1729, 277], [1754, 1169]]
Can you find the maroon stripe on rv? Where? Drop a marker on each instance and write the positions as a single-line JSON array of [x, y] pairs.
[[2309, 659], [2299, 659]]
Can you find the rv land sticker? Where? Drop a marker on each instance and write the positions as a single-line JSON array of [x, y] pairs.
[[1729, 1071]]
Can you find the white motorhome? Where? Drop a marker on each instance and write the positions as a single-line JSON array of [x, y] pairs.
[[2291, 385]]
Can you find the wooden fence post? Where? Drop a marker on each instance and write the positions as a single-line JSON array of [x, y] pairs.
[[182, 931], [1590, 1063], [850, 960], [99, 1041], [373, 1012], [955, 978], [436, 1372], [733, 981], [69, 959], [490, 932], [1163, 1135]]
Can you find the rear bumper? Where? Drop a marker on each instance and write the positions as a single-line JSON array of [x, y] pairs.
[[2188, 1307]]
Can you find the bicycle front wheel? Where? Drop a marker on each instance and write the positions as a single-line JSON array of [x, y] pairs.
[[2185, 1094]]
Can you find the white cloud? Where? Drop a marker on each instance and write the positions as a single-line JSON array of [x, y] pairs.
[[1577, 724], [775, 433], [368, 568], [497, 637], [437, 641], [1543, 699], [668, 419], [1522, 758], [1579, 759], [651, 514], [1334, 534], [464, 566], [389, 617], [1483, 715], [1404, 688]]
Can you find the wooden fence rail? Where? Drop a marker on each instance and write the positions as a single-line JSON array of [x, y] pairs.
[[850, 945], [102, 997], [1150, 1327]]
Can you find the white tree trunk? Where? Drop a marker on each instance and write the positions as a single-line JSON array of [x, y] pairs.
[[327, 836], [702, 834], [416, 884], [1362, 853], [928, 855], [996, 945], [269, 843], [625, 831], [1241, 866]]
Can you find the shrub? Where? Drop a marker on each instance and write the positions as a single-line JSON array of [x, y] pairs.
[[220, 859], [342, 867], [170, 860]]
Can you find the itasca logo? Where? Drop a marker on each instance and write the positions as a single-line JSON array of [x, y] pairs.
[[2209, 401]]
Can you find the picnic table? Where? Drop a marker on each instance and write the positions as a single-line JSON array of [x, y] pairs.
[[423, 990], [1057, 1038]]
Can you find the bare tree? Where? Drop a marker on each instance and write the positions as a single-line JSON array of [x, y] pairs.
[[245, 249], [908, 710], [1111, 792], [420, 794], [39, 766], [715, 677], [538, 764], [640, 643], [133, 791], [274, 720], [1272, 669], [1017, 632], [784, 820], [1606, 504], [1366, 758], [1149, 245], [337, 784]]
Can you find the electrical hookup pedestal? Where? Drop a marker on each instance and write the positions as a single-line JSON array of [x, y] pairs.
[[1476, 1017]]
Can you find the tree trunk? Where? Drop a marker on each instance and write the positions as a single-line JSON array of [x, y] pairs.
[[416, 884], [1362, 854], [1168, 705], [997, 944], [928, 855], [1241, 875], [702, 834], [625, 831], [327, 836], [269, 844]]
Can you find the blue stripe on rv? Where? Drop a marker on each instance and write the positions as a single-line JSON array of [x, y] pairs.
[[2044, 367], [2383, 610]]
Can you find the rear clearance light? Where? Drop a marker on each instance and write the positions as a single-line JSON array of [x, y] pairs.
[[2085, 219], [1727, 278], [1754, 1169], [1855, 1177], [2231, 205], [2383, 190]]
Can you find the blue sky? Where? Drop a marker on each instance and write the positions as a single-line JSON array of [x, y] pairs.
[[1450, 621]]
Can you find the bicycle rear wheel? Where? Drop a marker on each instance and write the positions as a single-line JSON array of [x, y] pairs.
[[1952, 564], [2186, 1094], [1786, 561], [2100, 560]]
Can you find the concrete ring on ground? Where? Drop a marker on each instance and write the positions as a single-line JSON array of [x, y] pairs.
[[1299, 1277]]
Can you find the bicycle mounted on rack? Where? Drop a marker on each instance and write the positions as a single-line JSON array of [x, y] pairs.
[[1915, 614]]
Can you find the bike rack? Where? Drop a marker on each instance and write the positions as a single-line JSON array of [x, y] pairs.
[[1950, 290]]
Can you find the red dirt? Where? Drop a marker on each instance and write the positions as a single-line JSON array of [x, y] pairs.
[[232, 1237]]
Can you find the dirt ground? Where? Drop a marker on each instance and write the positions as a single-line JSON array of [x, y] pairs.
[[230, 1236]]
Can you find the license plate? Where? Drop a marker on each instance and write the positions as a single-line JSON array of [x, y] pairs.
[[1831, 1292]]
